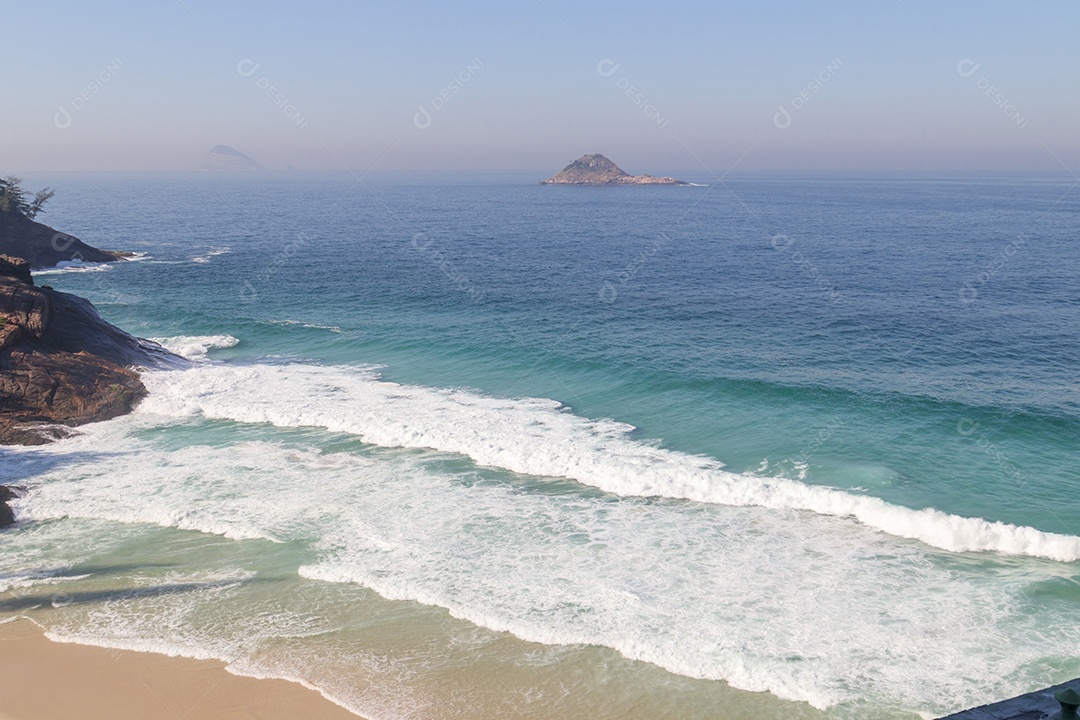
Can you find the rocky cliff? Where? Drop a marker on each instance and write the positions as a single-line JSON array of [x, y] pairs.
[[44, 247], [598, 170], [61, 364]]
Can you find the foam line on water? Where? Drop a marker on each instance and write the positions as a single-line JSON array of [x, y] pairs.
[[73, 266], [310, 326], [541, 437]]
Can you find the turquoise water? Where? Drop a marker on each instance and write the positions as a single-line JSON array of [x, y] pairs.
[[780, 446]]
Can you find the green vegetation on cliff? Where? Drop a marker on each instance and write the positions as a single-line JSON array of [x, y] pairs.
[[13, 199]]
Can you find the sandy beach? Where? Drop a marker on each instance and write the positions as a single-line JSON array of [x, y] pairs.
[[45, 680]]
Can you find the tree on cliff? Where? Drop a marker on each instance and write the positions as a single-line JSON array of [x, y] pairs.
[[13, 198]]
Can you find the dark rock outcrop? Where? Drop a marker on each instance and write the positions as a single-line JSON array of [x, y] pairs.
[[44, 247], [61, 364], [598, 170]]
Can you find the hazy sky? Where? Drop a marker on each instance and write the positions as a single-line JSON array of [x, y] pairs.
[[656, 86]]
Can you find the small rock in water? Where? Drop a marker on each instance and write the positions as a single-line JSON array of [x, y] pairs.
[[7, 493]]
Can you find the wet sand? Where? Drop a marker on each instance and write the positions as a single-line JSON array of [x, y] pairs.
[[45, 680]]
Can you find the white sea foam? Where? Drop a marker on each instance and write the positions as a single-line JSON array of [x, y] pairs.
[[80, 266], [800, 605], [310, 326], [73, 266], [196, 347], [541, 437], [203, 259]]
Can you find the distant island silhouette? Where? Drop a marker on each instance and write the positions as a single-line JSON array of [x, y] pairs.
[[596, 169], [225, 158]]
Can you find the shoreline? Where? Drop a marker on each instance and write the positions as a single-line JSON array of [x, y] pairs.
[[44, 679]]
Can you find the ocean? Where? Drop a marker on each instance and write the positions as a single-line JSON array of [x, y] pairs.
[[464, 446]]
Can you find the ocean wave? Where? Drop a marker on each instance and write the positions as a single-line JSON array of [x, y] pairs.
[[196, 347], [541, 437]]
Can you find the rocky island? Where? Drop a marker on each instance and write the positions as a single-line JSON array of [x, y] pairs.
[[596, 169]]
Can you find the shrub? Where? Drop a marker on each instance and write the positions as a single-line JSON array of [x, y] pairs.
[[13, 198]]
